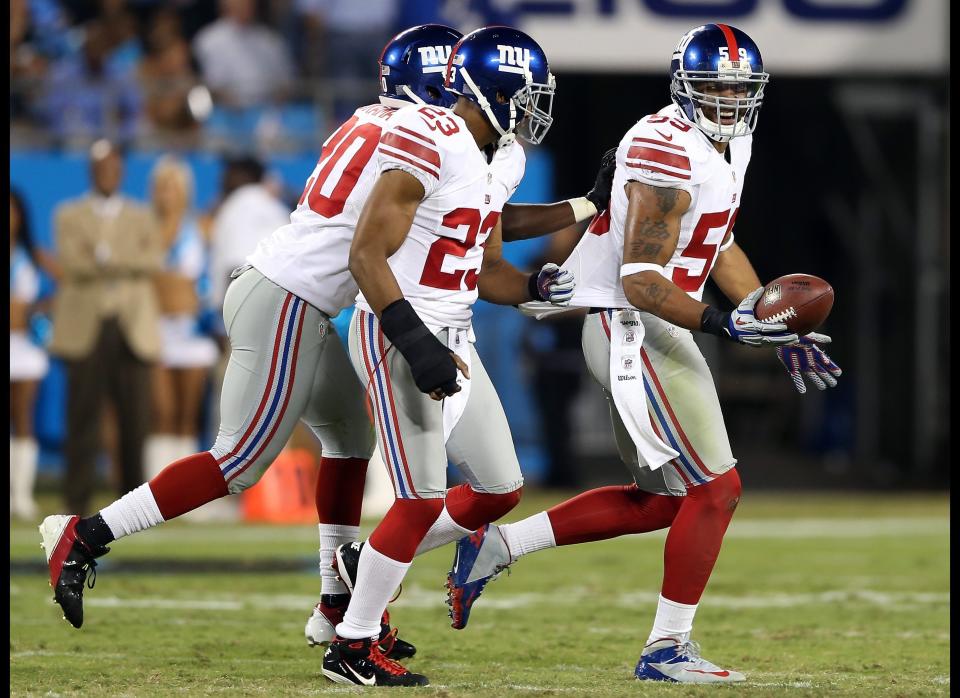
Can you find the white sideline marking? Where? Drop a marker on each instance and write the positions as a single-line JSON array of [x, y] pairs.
[[420, 597]]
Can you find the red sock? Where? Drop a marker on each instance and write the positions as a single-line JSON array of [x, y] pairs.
[[404, 526], [471, 509], [693, 543], [608, 512], [187, 484], [340, 490]]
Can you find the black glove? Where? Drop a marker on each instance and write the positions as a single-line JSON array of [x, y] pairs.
[[430, 362], [599, 196]]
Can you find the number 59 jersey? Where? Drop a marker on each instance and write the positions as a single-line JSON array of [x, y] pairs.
[[663, 151], [438, 264], [309, 256]]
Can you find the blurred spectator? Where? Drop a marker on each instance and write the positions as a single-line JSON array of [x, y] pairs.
[[249, 212], [352, 34], [105, 321], [28, 362], [121, 30], [28, 66], [166, 74], [185, 355], [554, 348], [88, 96], [243, 62]]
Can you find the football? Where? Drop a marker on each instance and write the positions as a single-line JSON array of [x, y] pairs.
[[801, 301]]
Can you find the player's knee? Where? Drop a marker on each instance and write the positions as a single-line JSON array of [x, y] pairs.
[[501, 504], [723, 493]]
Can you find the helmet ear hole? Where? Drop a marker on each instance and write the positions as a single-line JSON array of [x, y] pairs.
[[501, 98], [433, 92]]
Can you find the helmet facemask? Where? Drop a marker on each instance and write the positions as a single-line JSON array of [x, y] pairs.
[[534, 102], [722, 116], [528, 111]]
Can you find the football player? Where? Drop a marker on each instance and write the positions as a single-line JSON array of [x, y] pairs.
[[427, 245], [286, 361], [641, 269]]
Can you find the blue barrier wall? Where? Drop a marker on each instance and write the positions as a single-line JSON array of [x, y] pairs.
[[46, 179]]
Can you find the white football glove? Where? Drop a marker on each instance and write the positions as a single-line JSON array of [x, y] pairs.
[[745, 328], [804, 359], [555, 285]]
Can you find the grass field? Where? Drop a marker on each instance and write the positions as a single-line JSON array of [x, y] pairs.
[[812, 596]]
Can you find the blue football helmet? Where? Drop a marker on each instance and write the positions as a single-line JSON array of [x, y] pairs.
[[505, 73], [718, 80], [413, 66]]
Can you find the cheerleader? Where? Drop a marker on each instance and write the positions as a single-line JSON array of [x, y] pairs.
[[186, 355], [28, 361]]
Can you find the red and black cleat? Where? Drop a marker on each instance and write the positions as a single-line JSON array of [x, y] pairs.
[[361, 662], [72, 564]]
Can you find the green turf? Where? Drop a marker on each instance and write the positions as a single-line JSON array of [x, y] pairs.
[[812, 596]]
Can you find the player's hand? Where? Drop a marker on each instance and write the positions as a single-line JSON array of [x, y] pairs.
[[599, 196], [441, 393], [745, 328], [555, 285], [803, 359]]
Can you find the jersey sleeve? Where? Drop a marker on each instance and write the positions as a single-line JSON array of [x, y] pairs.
[[659, 159], [519, 162], [407, 146]]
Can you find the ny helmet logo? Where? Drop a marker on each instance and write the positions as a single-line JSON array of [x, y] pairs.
[[434, 58], [514, 59]]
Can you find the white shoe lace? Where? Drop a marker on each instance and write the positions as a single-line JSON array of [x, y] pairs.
[[691, 650]]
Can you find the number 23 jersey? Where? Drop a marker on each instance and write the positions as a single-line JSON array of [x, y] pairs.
[[438, 264], [662, 150]]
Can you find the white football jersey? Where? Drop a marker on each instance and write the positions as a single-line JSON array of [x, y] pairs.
[[309, 256], [438, 264], [664, 151]]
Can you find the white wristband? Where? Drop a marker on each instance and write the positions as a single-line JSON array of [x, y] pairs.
[[726, 246], [583, 208], [637, 267]]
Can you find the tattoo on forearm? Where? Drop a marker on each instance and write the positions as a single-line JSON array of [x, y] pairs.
[[657, 295]]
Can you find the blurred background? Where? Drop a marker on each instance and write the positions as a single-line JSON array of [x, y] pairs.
[[217, 111]]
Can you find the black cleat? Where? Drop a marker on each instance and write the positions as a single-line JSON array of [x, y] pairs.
[[70, 560], [390, 644], [346, 561], [361, 663]]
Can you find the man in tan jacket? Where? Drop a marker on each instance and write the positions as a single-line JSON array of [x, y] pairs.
[[105, 321]]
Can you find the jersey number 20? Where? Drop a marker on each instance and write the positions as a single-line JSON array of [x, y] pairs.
[[342, 160]]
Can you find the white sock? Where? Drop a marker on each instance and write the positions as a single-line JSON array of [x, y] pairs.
[[333, 536], [134, 511], [674, 620], [528, 536], [378, 576], [23, 473], [444, 530]]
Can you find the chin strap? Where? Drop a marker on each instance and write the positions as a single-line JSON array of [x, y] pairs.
[[410, 93], [484, 104]]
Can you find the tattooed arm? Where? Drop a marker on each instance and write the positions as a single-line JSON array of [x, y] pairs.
[[651, 231]]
